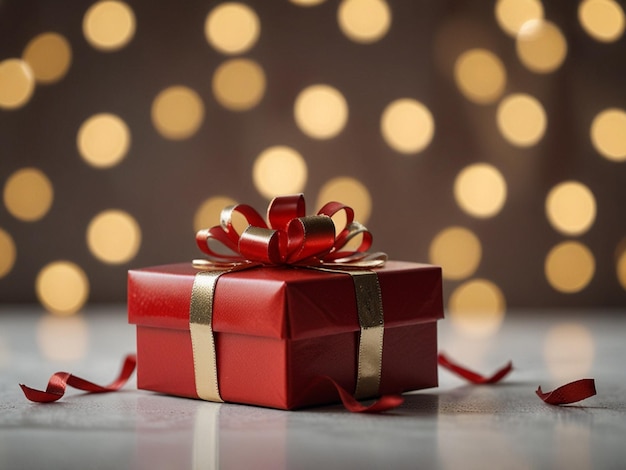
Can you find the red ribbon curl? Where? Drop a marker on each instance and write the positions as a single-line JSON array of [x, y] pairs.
[[288, 237], [59, 382], [569, 393], [471, 376]]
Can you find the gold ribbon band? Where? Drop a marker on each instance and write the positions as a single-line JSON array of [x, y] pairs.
[[202, 340], [371, 321]]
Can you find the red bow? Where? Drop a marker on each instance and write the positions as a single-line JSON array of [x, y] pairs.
[[288, 237]]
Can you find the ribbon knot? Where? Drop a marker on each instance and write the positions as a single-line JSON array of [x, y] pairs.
[[289, 237]]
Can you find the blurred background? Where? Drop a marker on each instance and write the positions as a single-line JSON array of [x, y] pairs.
[[487, 137]]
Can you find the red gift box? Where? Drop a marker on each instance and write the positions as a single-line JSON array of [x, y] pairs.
[[278, 329]]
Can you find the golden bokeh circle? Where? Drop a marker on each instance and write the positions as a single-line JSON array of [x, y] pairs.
[[569, 267], [103, 140], [28, 194], [307, 3], [521, 119], [49, 56], [477, 308], [571, 208], [350, 192], [321, 111], [364, 21], [177, 112], [608, 134], [480, 190], [407, 126], [480, 76], [208, 214], [541, 46], [62, 287], [512, 14], [457, 250], [113, 236], [279, 170], [17, 83], [109, 25], [239, 84], [232, 28], [620, 264], [603, 20], [8, 251]]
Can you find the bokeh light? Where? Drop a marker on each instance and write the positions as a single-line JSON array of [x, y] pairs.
[[569, 267], [63, 338], [477, 308], [480, 76], [608, 134], [407, 126], [348, 191], [239, 84], [480, 190], [457, 250], [113, 236], [307, 3], [279, 170], [8, 251], [103, 140], [512, 14], [364, 21], [620, 263], [109, 25], [232, 28], [177, 112], [17, 83], [321, 111], [603, 20], [541, 46], [62, 287], [208, 214], [571, 208], [49, 56], [28, 194], [568, 350], [521, 120]]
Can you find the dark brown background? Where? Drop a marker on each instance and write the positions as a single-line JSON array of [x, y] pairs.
[[163, 182]]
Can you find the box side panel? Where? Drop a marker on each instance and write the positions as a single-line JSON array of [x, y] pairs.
[[309, 359], [409, 358], [165, 361], [409, 363], [252, 370]]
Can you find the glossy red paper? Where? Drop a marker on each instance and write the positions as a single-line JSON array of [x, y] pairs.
[[278, 329]]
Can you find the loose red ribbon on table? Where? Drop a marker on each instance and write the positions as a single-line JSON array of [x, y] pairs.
[[569, 393], [566, 394], [288, 237], [471, 376], [59, 382]]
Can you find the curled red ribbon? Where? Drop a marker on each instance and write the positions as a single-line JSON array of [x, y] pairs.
[[288, 237], [59, 382], [471, 376], [383, 403], [569, 393]]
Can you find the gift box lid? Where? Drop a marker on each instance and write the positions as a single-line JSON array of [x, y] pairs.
[[283, 302]]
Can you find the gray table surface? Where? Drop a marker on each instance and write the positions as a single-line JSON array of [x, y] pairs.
[[455, 425]]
